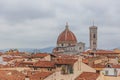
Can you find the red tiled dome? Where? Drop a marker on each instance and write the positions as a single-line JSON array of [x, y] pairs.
[[67, 37]]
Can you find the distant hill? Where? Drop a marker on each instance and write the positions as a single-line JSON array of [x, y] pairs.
[[48, 49], [31, 50]]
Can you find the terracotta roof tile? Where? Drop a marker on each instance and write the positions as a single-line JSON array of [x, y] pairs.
[[98, 66], [66, 56], [1, 53], [11, 75], [88, 76], [116, 66], [85, 61], [40, 75], [106, 52], [23, 64], [102, 52], [65, 61], [40, 55], [44, 64]]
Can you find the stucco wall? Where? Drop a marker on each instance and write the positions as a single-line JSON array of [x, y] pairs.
[[86, 68], [78, 68]]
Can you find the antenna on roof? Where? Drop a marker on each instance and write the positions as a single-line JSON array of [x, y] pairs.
[[93, 22]]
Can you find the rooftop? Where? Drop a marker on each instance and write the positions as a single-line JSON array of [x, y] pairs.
[[88, 76], [40, 75], [44, 64]]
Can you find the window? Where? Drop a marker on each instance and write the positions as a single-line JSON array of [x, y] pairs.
[[106, 72], [49, 69], [69, 44], [94, 36], [92, 54], [63, 70], [80, 48], [71, 70], [109, 66], [41, 78], [94, 49], [35, 68], [97, 71], [94, 43]]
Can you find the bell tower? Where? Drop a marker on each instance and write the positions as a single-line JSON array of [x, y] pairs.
[[93, 37]]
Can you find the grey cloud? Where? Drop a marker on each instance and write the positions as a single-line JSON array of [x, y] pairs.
[[20, 10], [28, 23]]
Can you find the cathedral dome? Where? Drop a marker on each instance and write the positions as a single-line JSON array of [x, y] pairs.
[[67, 37]]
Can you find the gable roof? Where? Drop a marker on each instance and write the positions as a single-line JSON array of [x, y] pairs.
[[88, 76], [40, 75], [101, 52], [44, 64], [65, 61], [11, 75], [40, 55]]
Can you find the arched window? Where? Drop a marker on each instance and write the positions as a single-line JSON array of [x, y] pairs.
[[109, 66]]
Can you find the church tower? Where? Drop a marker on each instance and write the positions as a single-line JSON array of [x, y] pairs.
[[93, 37]]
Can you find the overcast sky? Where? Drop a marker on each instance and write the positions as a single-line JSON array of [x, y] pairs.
[[37, 23]]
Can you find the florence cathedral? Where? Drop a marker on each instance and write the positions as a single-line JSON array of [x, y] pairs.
[[67, 43]]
